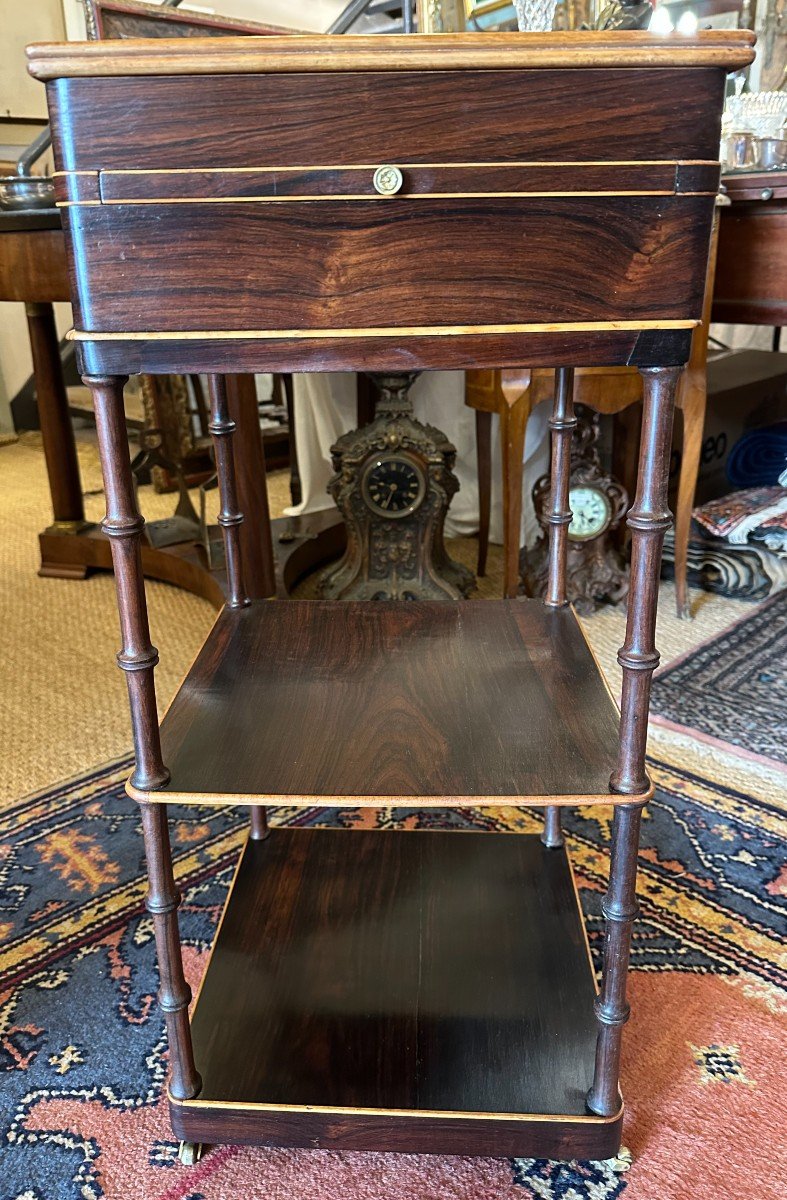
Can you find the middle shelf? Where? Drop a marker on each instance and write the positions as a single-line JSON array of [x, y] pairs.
[[330, 703]]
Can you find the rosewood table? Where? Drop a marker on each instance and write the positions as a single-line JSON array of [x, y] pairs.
[[396, 205], [751, 279]]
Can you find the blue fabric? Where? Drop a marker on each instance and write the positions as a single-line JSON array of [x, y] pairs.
[[758, 458]]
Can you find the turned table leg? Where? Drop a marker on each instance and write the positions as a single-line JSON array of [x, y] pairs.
[[562, 423], [619, 908], [648, 521], [222, 429], [123, 526], [256, 543], [57, 432], [174, 993]]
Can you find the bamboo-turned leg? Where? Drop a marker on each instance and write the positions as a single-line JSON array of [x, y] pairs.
[[648, 520], [123, 525], [174, 993], [619, 908], [230, 517], [562, 423], [258, 819], [222, 429]]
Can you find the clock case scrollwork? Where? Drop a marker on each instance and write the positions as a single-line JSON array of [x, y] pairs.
[[403, 558]]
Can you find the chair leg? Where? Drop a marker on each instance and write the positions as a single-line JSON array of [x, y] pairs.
[[693, 403], [513, 425], [483, 442], [296, 490]]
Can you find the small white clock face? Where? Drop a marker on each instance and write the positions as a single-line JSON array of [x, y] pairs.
[[591, 513]]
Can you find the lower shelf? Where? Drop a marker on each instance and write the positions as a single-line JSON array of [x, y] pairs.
[[413, 991]]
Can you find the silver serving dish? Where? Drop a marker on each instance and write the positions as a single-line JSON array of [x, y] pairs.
[[25, 190]]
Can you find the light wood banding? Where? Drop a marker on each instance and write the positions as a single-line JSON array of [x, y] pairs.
[[196, 335], [729, 49], [251, 736], [278, 184]]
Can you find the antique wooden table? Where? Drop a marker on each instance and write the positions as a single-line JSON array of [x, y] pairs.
[[393, 204], [751, 275], [33, 271]]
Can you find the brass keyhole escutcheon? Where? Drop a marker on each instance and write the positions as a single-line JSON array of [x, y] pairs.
[[387, 180]]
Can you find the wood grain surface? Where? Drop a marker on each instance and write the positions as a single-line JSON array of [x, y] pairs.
[[727, 49], [318, 702], [595, 115], [371, 970], [402, 262]]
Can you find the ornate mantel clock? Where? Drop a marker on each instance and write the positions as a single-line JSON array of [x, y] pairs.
[[595, 570], [393, 484]]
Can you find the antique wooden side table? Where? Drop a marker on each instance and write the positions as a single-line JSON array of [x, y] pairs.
[[751, 282], [393, 204]]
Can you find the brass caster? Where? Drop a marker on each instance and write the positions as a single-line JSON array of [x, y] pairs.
[[622, 1162], [190, 1153]]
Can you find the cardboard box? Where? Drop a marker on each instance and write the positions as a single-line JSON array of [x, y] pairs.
[[747, 389]]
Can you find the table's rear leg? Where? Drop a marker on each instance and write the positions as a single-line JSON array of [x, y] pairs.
[[222, 429], [562, 423]]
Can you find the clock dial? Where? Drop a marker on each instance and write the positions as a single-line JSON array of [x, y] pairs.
[[393, 485], [591, 513]]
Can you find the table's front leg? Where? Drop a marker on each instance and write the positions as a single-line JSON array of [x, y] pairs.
[[648, 521], [123, 526]]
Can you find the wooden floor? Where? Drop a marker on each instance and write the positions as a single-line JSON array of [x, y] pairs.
[[361, 975], [324, 703]]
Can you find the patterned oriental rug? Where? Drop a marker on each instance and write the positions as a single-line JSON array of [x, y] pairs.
[[82, 1050], [731, 690]]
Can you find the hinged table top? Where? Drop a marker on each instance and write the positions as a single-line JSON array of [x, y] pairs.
[[730, 49]]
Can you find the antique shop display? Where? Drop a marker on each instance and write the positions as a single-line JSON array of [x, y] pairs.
[[595, 569], [393, 484], [753, 131], [371, 989]]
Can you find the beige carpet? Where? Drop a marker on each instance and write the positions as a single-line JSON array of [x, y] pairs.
[[62, 699]]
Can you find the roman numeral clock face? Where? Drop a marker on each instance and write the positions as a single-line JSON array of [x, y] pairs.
[[393, 485]]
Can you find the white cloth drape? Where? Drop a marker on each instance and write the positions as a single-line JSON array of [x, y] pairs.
[[325, 408]]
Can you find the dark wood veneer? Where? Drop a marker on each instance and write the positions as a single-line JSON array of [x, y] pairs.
[[408, 352], [395, 971], [363, 971], [280, 184], [310, 700], [360, 264], [414, 117]]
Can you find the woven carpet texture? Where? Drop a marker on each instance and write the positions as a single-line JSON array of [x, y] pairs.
[[82, 1051]]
